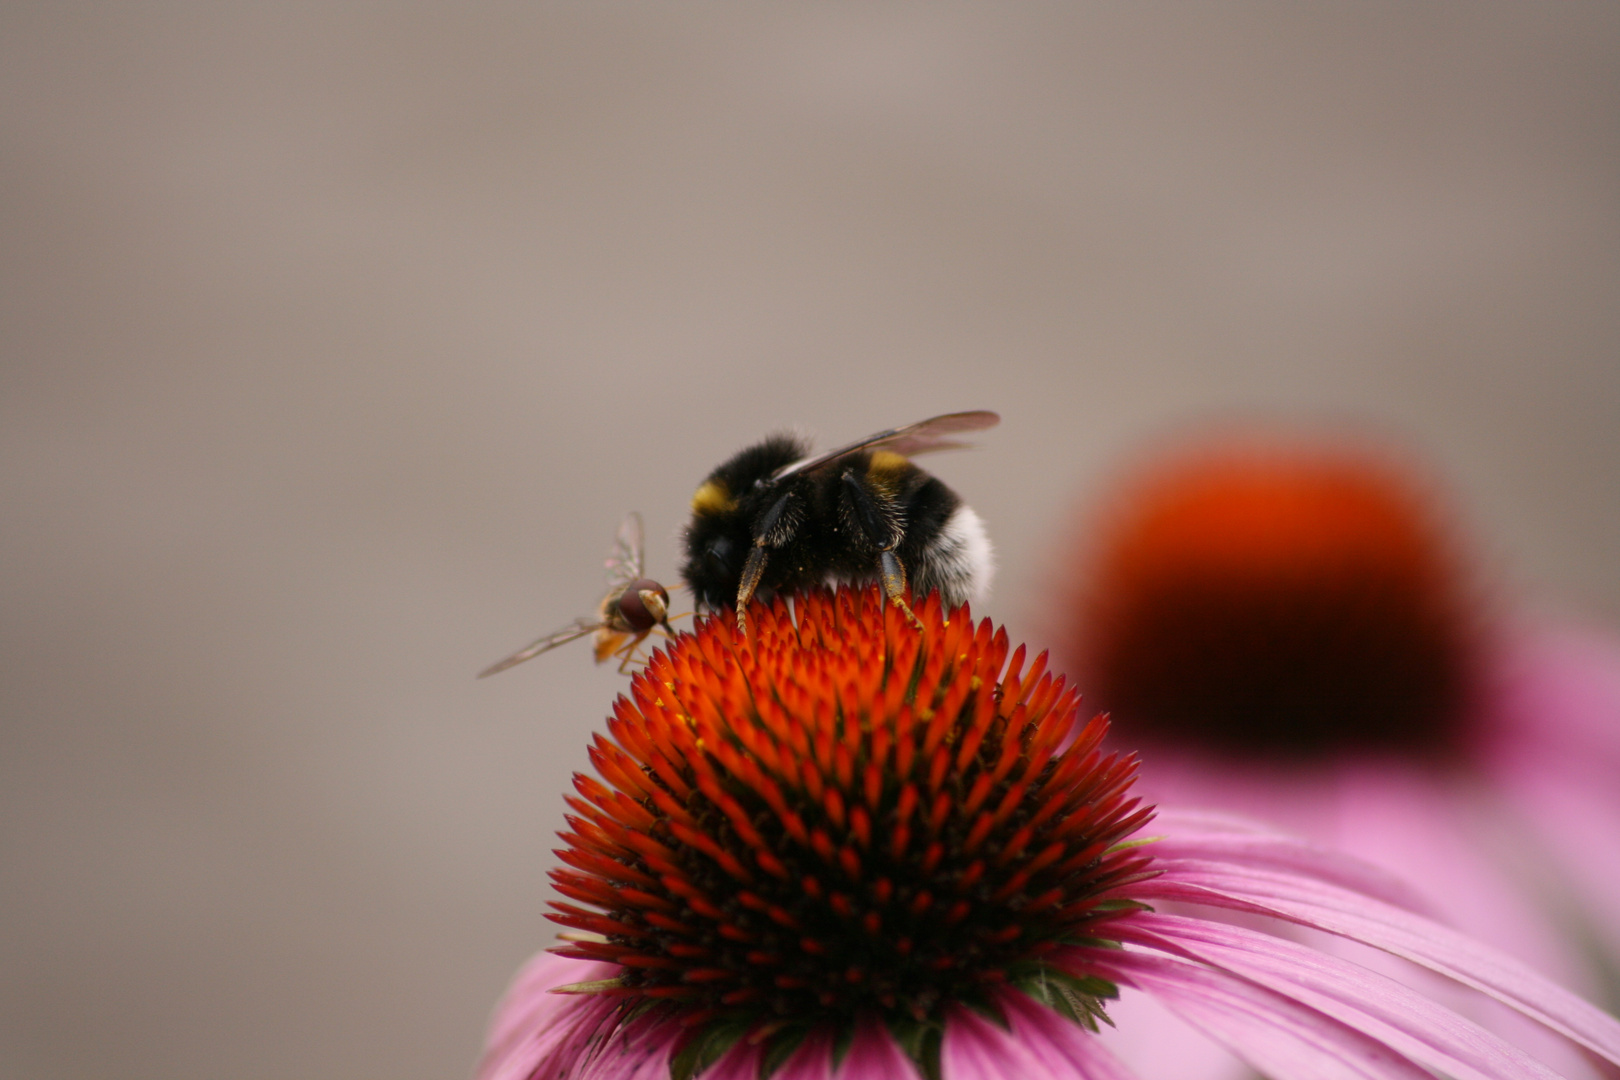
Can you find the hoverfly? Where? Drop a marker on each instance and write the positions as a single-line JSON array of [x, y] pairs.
[[633, 608]]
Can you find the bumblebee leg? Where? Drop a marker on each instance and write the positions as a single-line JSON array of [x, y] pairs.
[[753, 570], [774, 528], [878, 517], [894, 584], [874, 512]]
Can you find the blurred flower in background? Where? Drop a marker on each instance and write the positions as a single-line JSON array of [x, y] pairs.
[[843, 847], [1278, 605], [1290, 628]]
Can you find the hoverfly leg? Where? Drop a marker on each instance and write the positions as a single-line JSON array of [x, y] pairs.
[[629, 652]]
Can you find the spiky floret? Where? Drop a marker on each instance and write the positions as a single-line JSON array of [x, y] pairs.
[[839, 818]]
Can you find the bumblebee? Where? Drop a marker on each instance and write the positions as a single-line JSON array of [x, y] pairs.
[[634, 607], [775, 519]]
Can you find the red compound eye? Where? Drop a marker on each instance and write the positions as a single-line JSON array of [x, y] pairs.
[[636, 612]]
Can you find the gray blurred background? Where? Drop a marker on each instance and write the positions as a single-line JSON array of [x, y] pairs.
[[336, 342]]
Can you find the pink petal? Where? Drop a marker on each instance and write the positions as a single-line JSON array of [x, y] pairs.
[[1463, 839], [1038, 1045], [1186, 822], [536, 1031], [639, 1053], [1155, 1042], [1300, 795], [1394, 1014], [1455, 834], [1558, 690], [811, 1061], [1243, 843], [1273, 1033], [1556, 717], [873, 1055], [1068, 1048], [1572, 835], [741, 1062], [531, 1023], [1555, 753], [1327, 907]]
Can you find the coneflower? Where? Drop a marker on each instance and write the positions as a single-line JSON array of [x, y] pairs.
[[843, 847], [1277, 602]]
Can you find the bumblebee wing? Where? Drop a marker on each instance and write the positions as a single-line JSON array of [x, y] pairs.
[[918, 438], [624, 561], [573, 632]]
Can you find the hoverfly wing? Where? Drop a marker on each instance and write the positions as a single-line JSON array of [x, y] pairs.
[[918, 438], [624, 561], [573, 632]]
